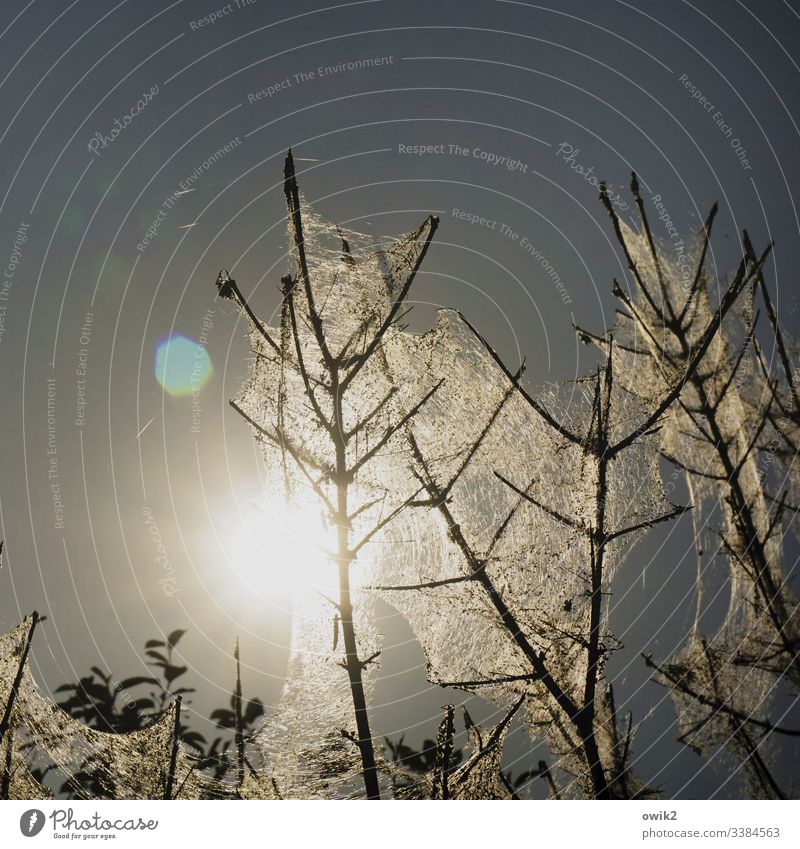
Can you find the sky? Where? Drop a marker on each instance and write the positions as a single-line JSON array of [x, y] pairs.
[[142, 149]]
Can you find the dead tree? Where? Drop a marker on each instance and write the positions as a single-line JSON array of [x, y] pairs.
[[563, 647], [730, 414], [326, 408]]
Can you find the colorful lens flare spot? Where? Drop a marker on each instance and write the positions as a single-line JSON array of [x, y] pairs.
[[182, 365]]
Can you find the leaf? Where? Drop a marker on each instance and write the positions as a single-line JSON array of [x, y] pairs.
[[173, 672], [215, 744], [252, 711], [468, 723], [154, 644], [524, 777], [175, 637], [157, 655], [97, 693], [138, 705], [136, 680], [224, 718], [194, 738]]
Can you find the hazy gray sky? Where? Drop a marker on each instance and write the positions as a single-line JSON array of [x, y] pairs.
[[142, 148]]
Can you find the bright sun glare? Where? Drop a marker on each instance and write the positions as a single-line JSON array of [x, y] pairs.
[[297, 545]]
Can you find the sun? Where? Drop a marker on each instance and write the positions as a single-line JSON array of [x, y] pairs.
[[298, 545]]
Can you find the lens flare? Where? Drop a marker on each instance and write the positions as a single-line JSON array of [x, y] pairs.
[[182, 365]]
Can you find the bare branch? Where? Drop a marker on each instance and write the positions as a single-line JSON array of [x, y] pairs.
[[294, 453], [535, 404], [391, 431], [699, 272], [783, 354], [432, 222], [426, 585], [650, 523], [362, 423], [483, 434], [739, 360], [487, 682], [288, 294], [727, 302], [296, 220], [653, 252], [556, 515], [384, 522], [719, 706], [681, 465], [227, 288], [631, 264], [587, 337]]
